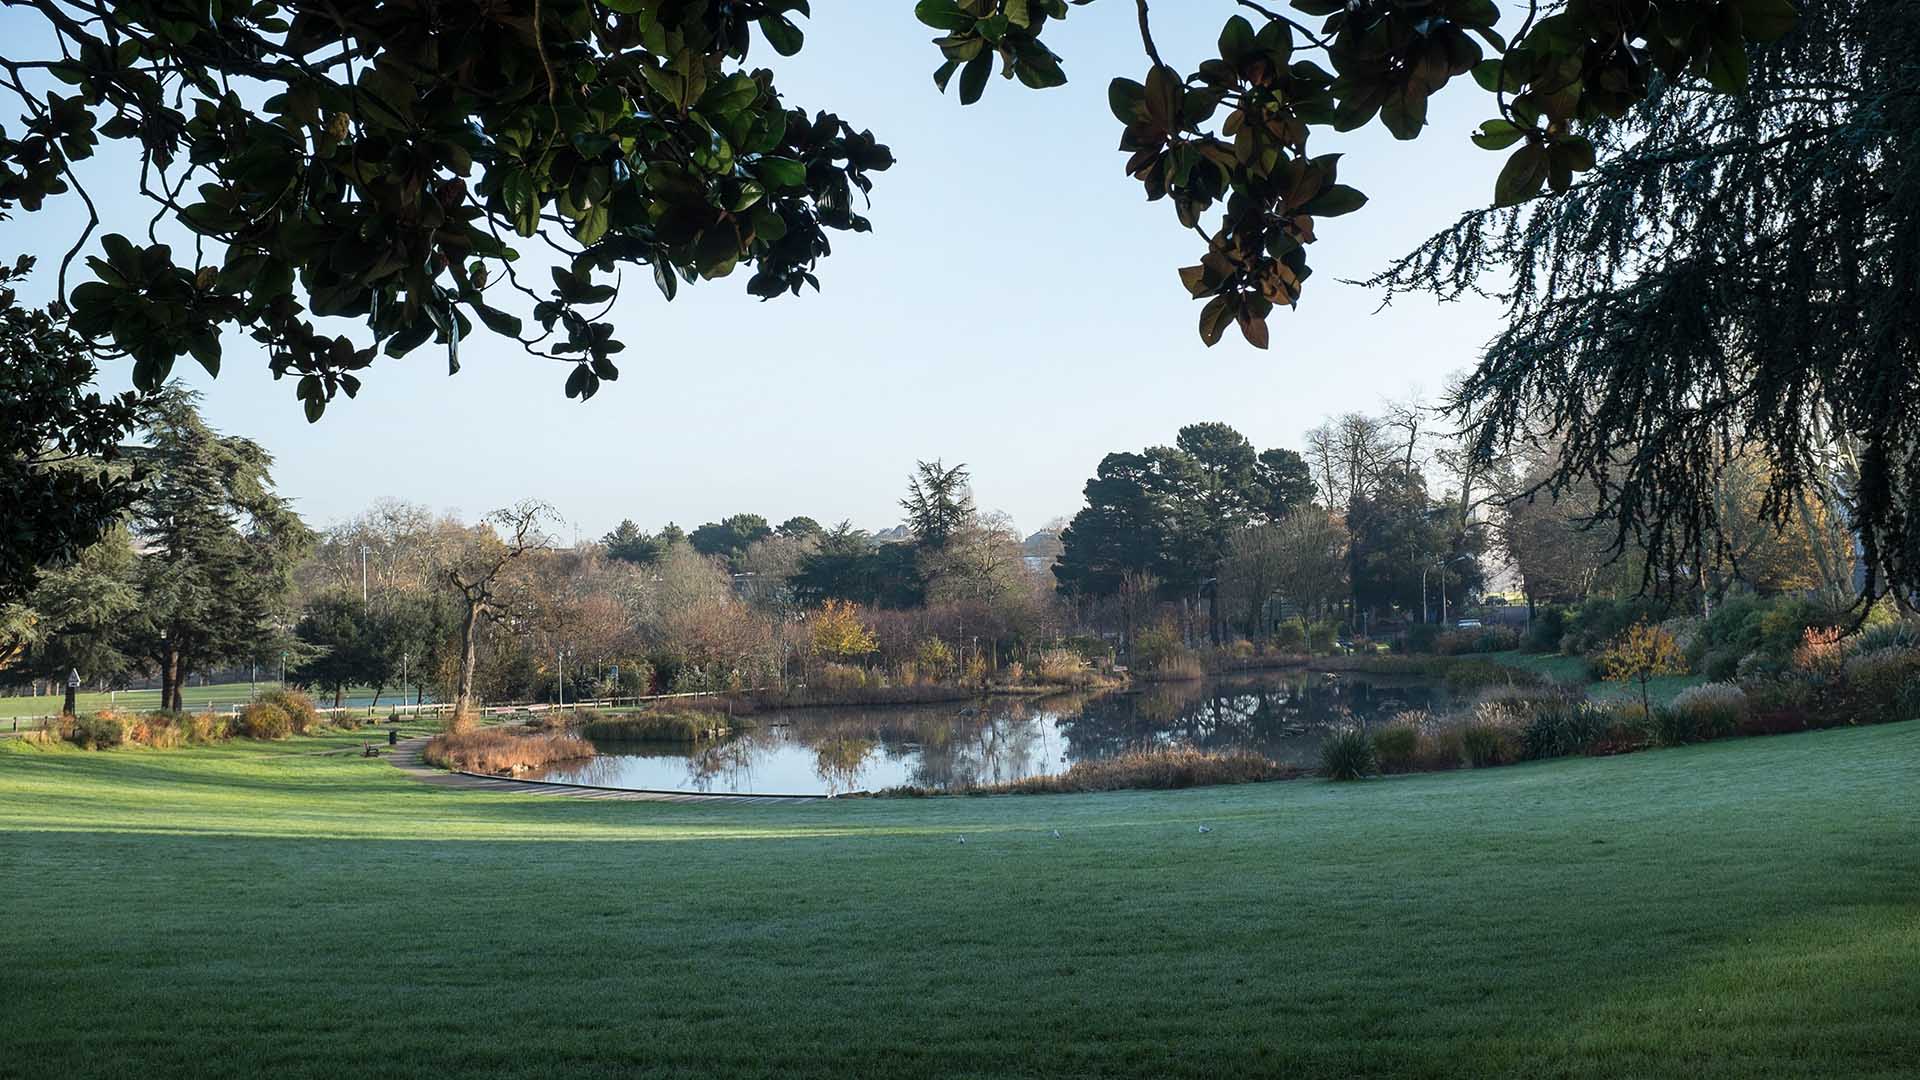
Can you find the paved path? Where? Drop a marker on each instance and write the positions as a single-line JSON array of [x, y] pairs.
[[406, 758]]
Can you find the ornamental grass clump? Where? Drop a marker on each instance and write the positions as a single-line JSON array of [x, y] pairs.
[[678, 725], [1700, 713], [503, 751], [1347, 753], [303, 717]]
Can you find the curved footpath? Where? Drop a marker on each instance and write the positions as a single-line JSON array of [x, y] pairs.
[[406, 757]]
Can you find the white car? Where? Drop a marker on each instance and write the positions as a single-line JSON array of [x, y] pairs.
[[1467, 624]]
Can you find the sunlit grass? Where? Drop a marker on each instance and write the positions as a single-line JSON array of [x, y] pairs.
[[1747, 908]]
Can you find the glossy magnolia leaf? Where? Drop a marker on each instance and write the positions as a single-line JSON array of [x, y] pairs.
[[973, 78], [1164, 97], [1475, 13], [1498, 135], [1320, 7], [1727, 67], [785, 37], [1767, 20], [1128, 100], [1335, 200], [1522, 176], [1254, 329], [1214, 319], [942, 15]]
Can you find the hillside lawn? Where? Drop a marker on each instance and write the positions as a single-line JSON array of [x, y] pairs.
[[1572, 670], [1742, 909]]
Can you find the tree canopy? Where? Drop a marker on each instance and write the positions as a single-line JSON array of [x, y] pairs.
[[1734, 283], [376, 162]]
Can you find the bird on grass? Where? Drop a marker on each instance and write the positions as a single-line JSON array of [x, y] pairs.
[[1204, 829], [963, 839], [1056, 834]]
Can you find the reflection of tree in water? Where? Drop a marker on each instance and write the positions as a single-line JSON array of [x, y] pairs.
[[731, 759], [1282, 716], [957, 745], [837, 760]]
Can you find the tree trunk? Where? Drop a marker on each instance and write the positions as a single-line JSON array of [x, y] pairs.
[[463, 693]]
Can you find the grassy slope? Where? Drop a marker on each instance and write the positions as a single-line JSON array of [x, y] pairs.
[[1573, 669], [1735, 910]]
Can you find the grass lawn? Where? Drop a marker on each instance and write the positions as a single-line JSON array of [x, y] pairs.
[[218, 695], [1573, 670], [1743, 909]]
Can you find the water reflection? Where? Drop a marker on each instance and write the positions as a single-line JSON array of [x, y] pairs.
[[959, 745]]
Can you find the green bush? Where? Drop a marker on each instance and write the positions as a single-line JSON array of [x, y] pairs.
[[1595, 623], [1876, 680], [1290, 636], [1544, 632], [264, 720], [1562, 729], [302, 715], [1347, 754], [1421, 637], [1484, 640], [1896, 634], [1489, 738]]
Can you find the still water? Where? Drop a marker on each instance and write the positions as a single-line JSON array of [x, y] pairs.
[[957, 745]]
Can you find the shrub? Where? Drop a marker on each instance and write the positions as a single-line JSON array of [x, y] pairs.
[[1549, 625], [843, 677], [502, 750], [1709, 711], [1595, 623], [264, 720], [1490, 736], [205, 727], [934, 657], [1897, 634], [300, 710], [1565, 728], [1062, 667], [1421, 637], [1876, 680], [1322, 635], [1347, 753], [1821, 651], [680, 725], [1290, 636], [1642, 654], [1484, 640], [102, 730], [1396, 747], [1720, 665]]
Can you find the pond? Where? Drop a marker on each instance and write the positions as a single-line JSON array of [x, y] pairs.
[[957, 745]]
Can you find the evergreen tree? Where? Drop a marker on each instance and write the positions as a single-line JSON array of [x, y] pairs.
[[217, 546]]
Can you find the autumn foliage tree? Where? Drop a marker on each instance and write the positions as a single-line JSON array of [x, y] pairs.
[[1645, 652], [837, 632]]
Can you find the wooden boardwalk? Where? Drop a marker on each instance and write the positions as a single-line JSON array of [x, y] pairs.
[[406, 758]]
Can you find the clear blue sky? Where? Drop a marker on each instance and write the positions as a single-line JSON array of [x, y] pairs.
[[1016, 308]]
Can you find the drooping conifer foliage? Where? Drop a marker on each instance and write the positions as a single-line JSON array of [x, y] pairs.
[[1738, 280]]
